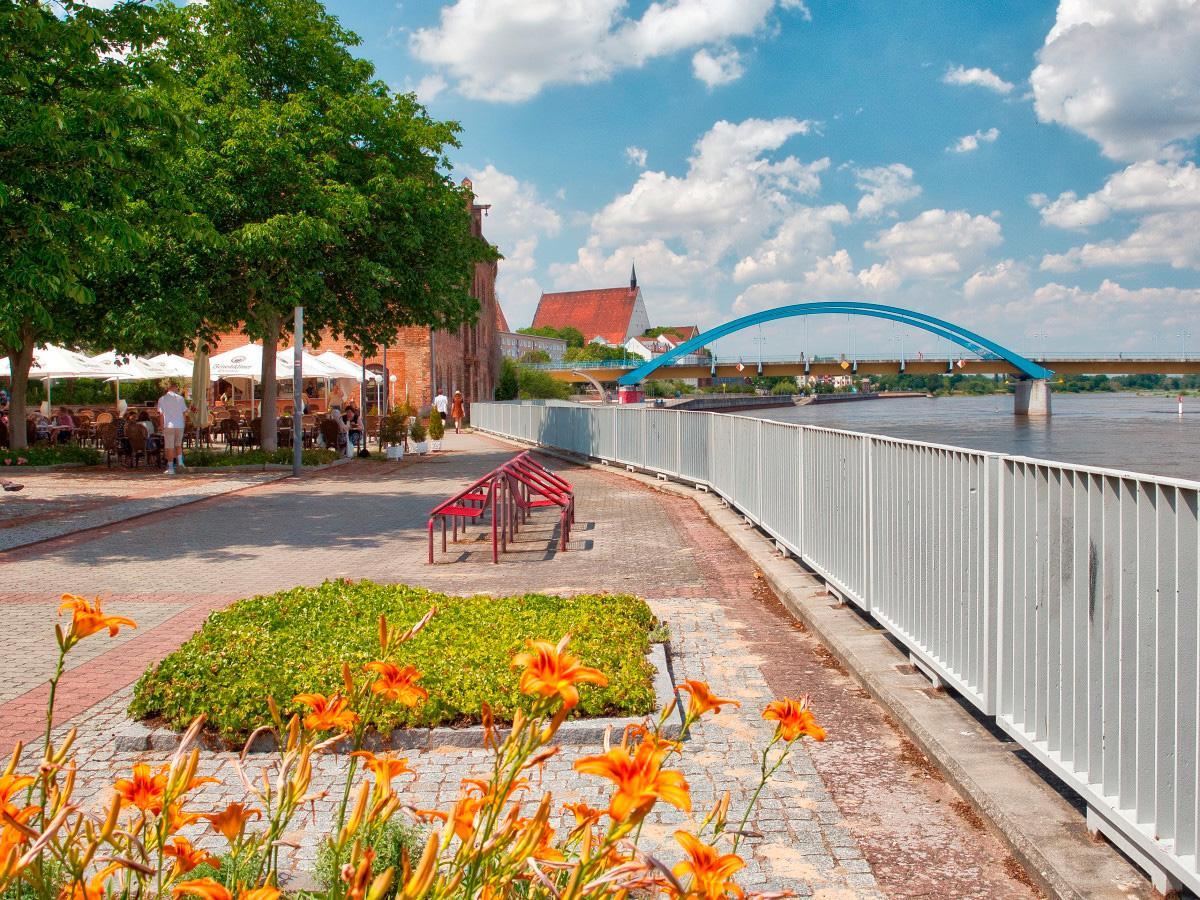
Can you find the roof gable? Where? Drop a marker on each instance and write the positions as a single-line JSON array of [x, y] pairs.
[[606, 313]]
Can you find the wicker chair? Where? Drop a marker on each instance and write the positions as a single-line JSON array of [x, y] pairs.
[[332, 435], [106, 436]]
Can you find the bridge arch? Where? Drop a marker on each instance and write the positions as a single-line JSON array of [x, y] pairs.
[[940, 327]]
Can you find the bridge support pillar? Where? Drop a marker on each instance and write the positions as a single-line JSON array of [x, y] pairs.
[[1032, 397]]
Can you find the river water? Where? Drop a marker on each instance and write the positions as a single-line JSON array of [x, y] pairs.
[[1120, 431]]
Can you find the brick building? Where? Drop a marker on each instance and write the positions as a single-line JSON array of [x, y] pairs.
[[422, 359]]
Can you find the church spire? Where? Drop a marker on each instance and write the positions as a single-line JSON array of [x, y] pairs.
[[633, 278]]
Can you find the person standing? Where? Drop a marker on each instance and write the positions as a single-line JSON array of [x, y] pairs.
[[442, 404], [173, 409], [458, 412]]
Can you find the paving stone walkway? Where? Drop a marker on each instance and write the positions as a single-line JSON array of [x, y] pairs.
[[862, 815]]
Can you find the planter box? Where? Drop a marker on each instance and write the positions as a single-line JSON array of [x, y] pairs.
[[435, 446], [421, 448], [395, 451]]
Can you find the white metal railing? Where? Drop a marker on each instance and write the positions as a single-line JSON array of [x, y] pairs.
[[1060, 599]]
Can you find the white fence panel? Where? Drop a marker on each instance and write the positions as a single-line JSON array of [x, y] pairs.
[[1061, 599]]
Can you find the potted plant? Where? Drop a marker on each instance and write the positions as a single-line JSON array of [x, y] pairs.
[[437, 428], [417, 432], [393, 431]]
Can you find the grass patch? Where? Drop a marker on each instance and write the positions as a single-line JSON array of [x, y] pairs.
[[203, 459], [50, 455], [295, 641]]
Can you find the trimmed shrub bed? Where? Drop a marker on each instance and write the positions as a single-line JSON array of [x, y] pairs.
[[203, 459], [294, 642], [50, 455]]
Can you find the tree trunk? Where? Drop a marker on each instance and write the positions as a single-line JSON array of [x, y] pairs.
[[19, 364], [270, 387]]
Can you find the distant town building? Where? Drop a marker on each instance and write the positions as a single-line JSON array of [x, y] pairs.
[[612, 315], [423, 359], [515, 345]]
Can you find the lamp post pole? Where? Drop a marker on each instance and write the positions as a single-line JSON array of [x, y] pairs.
[[298, 392]]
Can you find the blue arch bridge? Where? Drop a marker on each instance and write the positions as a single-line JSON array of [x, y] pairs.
[[1032, 396]]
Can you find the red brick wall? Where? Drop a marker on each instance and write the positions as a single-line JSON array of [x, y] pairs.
[[467, 360]]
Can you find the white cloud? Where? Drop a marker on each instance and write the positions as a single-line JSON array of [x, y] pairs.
[[1166, 238], [1112, 316], [516, 222], [429, 87], [730, 196], [1005, 278], [509, 50], [717, 70], [804, 235], [937, 243], [831, 277], [984, 78], [1143, 187], [969, 142], [884, 187], [1126, 74], [637, 156]]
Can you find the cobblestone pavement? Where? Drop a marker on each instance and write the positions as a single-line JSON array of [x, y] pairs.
[[53, 504], [861, 815]]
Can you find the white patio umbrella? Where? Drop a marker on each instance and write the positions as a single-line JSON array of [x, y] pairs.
[[172, 365], [243, 362], [53, 361], [346, 368], [200, 381], [312, 366]]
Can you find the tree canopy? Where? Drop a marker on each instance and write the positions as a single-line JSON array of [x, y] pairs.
[[81, 129]]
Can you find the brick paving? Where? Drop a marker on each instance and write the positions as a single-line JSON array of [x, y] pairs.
[[862, 815], [67, 501]]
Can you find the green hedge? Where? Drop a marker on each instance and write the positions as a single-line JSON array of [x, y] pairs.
[[295, 642], [202, 459], [50, 455]]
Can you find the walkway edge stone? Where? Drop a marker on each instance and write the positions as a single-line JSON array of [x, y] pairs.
[[1045, 833]]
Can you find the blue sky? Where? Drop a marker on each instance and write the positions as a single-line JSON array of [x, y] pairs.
[[1023, 168]]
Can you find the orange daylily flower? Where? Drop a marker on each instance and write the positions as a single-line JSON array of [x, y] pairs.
[[550, 670], [584, 815], [10, 785], [231, 821], [385, 767], [701, 699], [397, 684], [187, 857], [177, 819], [204, 888], [794, 718], [87, 619], [327, 712], [640, 779], [93, 890], [710, 870], [145, 791]]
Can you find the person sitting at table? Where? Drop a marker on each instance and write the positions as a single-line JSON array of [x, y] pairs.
[[41, 425], [353, 425], [62, 426]]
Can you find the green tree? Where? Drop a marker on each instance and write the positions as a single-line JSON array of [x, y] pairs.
[[507, 385], [80, 131], [535, 356], [536, 384], [324, 189], [572, 335]]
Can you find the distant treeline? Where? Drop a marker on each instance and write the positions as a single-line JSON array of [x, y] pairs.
[[1074, 384]]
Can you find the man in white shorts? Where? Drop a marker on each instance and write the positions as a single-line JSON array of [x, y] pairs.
[[173, 409]]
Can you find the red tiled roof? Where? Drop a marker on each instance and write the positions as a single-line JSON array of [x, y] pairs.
[[501, 321], [681, 332], [604, 312]]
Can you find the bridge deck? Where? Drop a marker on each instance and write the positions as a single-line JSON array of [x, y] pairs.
[[1062, 366]]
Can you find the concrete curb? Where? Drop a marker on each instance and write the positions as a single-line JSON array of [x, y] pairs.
[[56, 467], [266, 467], [1046, 834], [573, 733]]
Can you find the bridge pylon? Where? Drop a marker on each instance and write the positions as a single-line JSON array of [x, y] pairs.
[[1032, 397]]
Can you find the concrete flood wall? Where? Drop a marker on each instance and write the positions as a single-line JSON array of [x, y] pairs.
[[1060, 600]]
